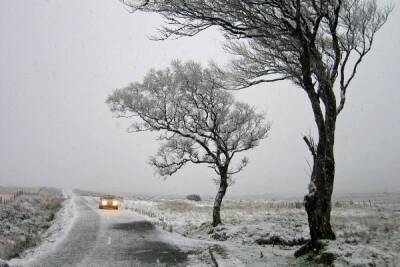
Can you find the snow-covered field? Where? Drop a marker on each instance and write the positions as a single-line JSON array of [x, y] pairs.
[[261, 231], [25, 220], [255, 231]]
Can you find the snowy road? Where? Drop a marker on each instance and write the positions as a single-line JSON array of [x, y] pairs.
[[112, 238]]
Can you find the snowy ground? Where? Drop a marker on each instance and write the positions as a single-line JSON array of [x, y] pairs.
[[257, 232], [28, 221]]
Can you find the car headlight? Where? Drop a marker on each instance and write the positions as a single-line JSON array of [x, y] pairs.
[[104, 202], [115, 203]]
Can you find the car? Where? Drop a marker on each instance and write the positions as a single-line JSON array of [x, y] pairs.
[[109, 202]]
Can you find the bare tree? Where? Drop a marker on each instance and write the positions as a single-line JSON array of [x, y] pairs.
[[312, 43], [199, 122]]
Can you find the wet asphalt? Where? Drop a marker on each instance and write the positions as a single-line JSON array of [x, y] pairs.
[[111, 238]]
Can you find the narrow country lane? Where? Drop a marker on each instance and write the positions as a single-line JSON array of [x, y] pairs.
[[111, 238]]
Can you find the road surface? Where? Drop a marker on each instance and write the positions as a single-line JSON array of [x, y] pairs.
[[112, 238]]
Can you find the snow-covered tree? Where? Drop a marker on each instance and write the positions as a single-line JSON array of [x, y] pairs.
[[317, 44], [198, 121]]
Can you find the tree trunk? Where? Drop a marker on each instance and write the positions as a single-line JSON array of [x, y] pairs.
[[218, 200], [318, 201]]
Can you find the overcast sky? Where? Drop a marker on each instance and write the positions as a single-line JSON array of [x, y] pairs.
[[60, 59]]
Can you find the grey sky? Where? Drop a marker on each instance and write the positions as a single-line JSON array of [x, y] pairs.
[[60, 59]]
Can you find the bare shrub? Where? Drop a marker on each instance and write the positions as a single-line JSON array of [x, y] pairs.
[[193, 197]]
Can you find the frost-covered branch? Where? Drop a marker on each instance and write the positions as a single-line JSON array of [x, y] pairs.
[[199, 122]]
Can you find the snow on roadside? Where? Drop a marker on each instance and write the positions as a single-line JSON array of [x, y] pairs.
[[60, 227], [253, 230], [245, 221], [232, 244]]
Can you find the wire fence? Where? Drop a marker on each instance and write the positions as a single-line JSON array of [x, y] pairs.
[[335, 204], [9, 197]]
